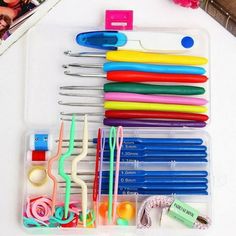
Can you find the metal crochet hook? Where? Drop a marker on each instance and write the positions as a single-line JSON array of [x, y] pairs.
[[77, 179]]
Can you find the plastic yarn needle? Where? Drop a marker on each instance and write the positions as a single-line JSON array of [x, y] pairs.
[[112, 144], [75, 178], [119, 142], [95, 182], [62, 165], [50, 163], [102, 147]]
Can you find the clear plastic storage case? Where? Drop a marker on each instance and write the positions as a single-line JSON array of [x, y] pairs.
[[189, 158]]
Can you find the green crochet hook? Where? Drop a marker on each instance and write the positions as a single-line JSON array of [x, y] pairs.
[[112, 145], [61, 166], [153, 89]]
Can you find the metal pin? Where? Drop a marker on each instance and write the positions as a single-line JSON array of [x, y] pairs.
[[81, 114], [65, 66], [68, 72], [77, 120], [85, 54], [75, 104], [81, 87], [81, 95]]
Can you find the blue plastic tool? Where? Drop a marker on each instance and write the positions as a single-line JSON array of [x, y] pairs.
[[106, 40]]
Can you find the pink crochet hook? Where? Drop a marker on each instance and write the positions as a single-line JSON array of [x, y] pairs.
[[50, 163], [134, 97], [119, 142]]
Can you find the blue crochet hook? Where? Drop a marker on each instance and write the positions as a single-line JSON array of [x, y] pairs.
[[153, 187], [158, 147], [160, 192], [131, 66], [161, 141], [143, 173], [161, 154], [160, 180]]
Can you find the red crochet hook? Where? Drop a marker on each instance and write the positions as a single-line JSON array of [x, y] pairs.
[[154, 114], [137, 76]]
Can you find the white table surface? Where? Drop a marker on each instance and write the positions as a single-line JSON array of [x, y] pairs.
[[152, 13]]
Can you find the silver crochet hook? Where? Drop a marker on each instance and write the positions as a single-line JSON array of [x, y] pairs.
[[81, 88], [78, 104], [81, 95], [68, 72], [84, 54]]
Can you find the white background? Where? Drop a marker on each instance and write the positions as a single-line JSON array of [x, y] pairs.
[[152, 13]]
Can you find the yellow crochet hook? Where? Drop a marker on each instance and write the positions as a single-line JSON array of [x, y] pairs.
[[113, 105], [144, 57]]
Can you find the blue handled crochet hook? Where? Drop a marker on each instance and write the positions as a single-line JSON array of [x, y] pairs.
[[158, 147], [161, 141], [160, 180], [161, 154], [160, 192], [153, 187], [132, 66], [143, 173]]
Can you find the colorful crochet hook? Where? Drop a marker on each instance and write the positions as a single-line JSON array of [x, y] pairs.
[[152, 123], [139, 76], [133, 97], [131, 66], [145, 57], [153, 107], [142, 88], [129, 114], [61, 170]]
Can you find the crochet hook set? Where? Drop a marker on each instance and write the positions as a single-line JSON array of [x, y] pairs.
[[116, 130]]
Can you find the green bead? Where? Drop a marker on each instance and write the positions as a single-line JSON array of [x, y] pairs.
[[122, 222]]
